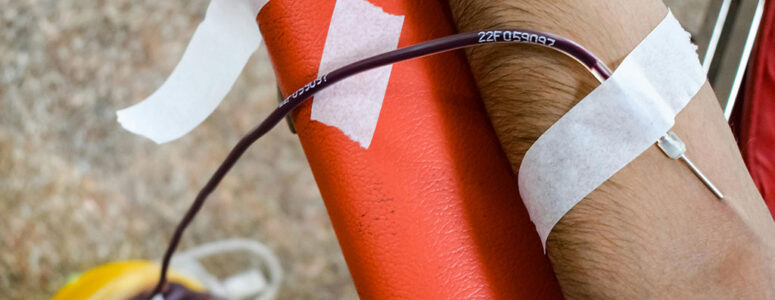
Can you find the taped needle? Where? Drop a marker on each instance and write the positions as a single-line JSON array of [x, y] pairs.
[[675, 148], [702, 177]]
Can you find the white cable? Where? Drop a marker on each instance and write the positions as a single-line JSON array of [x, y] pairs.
[[189, 262]]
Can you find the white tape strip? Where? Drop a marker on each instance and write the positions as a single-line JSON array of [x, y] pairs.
[[358, 30], [611, 126], [213, 60]]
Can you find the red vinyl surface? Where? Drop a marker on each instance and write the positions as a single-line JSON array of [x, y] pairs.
[[430, 210], [757, 122]]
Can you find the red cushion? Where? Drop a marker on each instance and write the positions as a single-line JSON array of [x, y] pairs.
[[430, 210], [757, 120]]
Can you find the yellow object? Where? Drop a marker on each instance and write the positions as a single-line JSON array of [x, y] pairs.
[[119, 281]]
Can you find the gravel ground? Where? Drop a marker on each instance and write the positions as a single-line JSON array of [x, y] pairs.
[[78, 191]]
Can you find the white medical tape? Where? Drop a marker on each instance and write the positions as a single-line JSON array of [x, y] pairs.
[[609, 128], [216, 55], [358, 29]]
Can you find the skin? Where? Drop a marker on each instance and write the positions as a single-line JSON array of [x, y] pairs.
[[652, 230]]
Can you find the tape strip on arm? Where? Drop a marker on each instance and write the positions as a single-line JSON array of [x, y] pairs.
[[612, 126]]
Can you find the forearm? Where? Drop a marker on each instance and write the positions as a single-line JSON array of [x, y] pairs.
[[653, 229]]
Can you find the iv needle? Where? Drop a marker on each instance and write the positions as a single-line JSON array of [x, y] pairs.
[[701, 176], [675, 148]]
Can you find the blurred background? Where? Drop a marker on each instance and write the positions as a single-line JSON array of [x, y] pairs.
[[77, 191]]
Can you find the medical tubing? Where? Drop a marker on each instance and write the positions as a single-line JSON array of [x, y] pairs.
[[444, 44]]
